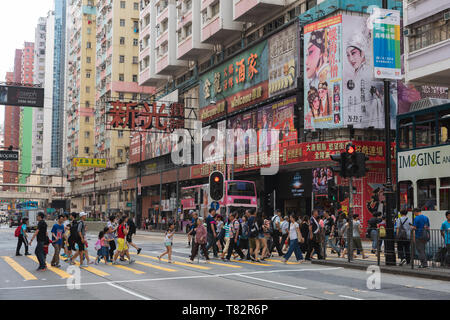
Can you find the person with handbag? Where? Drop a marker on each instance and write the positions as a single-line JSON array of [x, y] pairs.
[[403, 235], [421, 229], [294, 238]]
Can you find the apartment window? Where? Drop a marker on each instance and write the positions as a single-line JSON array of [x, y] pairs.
[[88, 74], [120, 134], [86, 150], [122, 22], [135, 42], [204, 16], [88, 59], [136, 26], [135, 95], [122, 4], [121, 77], [164, 25], [86, 119], [135, 78], [88, 45], [88, 89], [121, 95], [426, 33], [122, 40], [89, 30], [121, 59], [188, 30], [215, 8], [87, 104], [119, 153], [135, 60], [136, 5], [188, 5], [87, 134], [90, 3]]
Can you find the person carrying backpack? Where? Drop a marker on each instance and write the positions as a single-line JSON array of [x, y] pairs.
[[21, 235], [276, 233], [235, 231], [403, 227]]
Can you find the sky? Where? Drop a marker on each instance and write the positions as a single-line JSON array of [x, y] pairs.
[[18, 20]]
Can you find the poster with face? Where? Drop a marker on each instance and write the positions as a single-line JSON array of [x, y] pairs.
[[323, 74], [362, 94], [320, 177]]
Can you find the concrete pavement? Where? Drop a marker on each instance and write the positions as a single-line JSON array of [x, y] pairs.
[[148, 278]]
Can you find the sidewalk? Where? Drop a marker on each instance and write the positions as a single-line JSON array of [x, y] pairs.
[[362, 264]]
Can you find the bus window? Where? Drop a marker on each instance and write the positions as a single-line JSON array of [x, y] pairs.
[[425, 131], [444, 194], [241, 188], [444, 127], [406, 195], [405, 134], [426, 194]]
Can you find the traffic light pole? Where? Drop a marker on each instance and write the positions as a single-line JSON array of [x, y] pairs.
[[389, 192], [350, 222]]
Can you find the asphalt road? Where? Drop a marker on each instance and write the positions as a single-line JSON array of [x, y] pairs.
[[149, 279]]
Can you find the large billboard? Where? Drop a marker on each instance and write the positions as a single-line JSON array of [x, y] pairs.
[[22, 96], [363, 95], [323, 74]]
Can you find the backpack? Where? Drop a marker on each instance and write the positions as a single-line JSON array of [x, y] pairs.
[[244, 234], [254, 230], [74, 230], [273, 225], [17, 231], [402, 235]]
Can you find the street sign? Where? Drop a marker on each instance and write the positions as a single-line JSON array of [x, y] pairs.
[[7, 155], [93, 163], [215, 205]]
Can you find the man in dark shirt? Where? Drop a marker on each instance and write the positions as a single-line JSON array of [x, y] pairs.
[[41, 237], [329, 226], [251, 236], [211, 229], [314, 236]]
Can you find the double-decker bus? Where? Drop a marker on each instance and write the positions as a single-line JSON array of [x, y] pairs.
[[239, 195], [423, 159]]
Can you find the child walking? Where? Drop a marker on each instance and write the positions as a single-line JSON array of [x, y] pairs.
[[168, 242], [102, 250], [110, 243]]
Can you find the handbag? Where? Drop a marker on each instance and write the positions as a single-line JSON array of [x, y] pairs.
[[382, 232]]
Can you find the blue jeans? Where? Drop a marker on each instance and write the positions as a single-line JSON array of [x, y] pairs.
[[374, 236], [39, 251], [294, 247], [331, 242]]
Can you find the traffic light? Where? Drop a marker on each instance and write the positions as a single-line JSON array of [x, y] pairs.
[[344, 193], [361, 159], [351, 165], [332, 191], [216, 182], [340, 158]]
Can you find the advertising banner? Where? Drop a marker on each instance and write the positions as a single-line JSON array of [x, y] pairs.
[[283, 60], [320, 177], [323, 74], [386, 44], [92, 163], [409, 93], [21, 96], [362, 94], [294, 184], [7, 155]]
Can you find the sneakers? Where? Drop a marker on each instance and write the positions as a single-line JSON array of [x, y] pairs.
[[27, 254], [84, 265], [114, 262], [189, 261], [131, 261], [18, 255], [284, 261], [139, 250], [207, 262], [402, 262], [169, 261]]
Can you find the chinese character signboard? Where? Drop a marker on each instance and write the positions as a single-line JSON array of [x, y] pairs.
[[363, 95], [242, 81], [323, 74], [92, 163], [283, 60], [22, 96], [386, 44]]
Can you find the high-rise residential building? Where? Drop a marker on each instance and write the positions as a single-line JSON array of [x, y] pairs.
[[26, 116], [427, 46], [38, 78], [2, 141], [80, 104], [54, 88], [12, 125]]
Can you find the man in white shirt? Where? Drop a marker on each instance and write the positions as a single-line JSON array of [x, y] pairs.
[[276, 225]]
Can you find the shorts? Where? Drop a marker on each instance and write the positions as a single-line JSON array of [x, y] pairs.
[[121, 244], [261, 236], [103, 252], [80, 245], [71, 246], [252, 243], [129, 238], [168, 244], [357, 244]]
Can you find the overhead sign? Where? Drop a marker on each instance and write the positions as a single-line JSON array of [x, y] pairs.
[[7, 155], [21, 96], [386, 44], [93, 163]]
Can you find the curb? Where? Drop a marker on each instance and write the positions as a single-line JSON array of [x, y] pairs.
[[409, 273]]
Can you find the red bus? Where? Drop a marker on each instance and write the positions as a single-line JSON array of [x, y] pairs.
[[239, 195]]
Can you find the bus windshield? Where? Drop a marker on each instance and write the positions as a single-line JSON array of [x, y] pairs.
[[241, 188]]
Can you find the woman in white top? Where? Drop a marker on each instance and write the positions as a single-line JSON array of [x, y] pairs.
[[294, 237]]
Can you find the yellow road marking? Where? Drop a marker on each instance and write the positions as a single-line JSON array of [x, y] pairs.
[[253, 263], [19, 269], [93, 270], [59, 272], [155, 267], [278, 261], [176, 262], [135, 271], [216, 263]]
